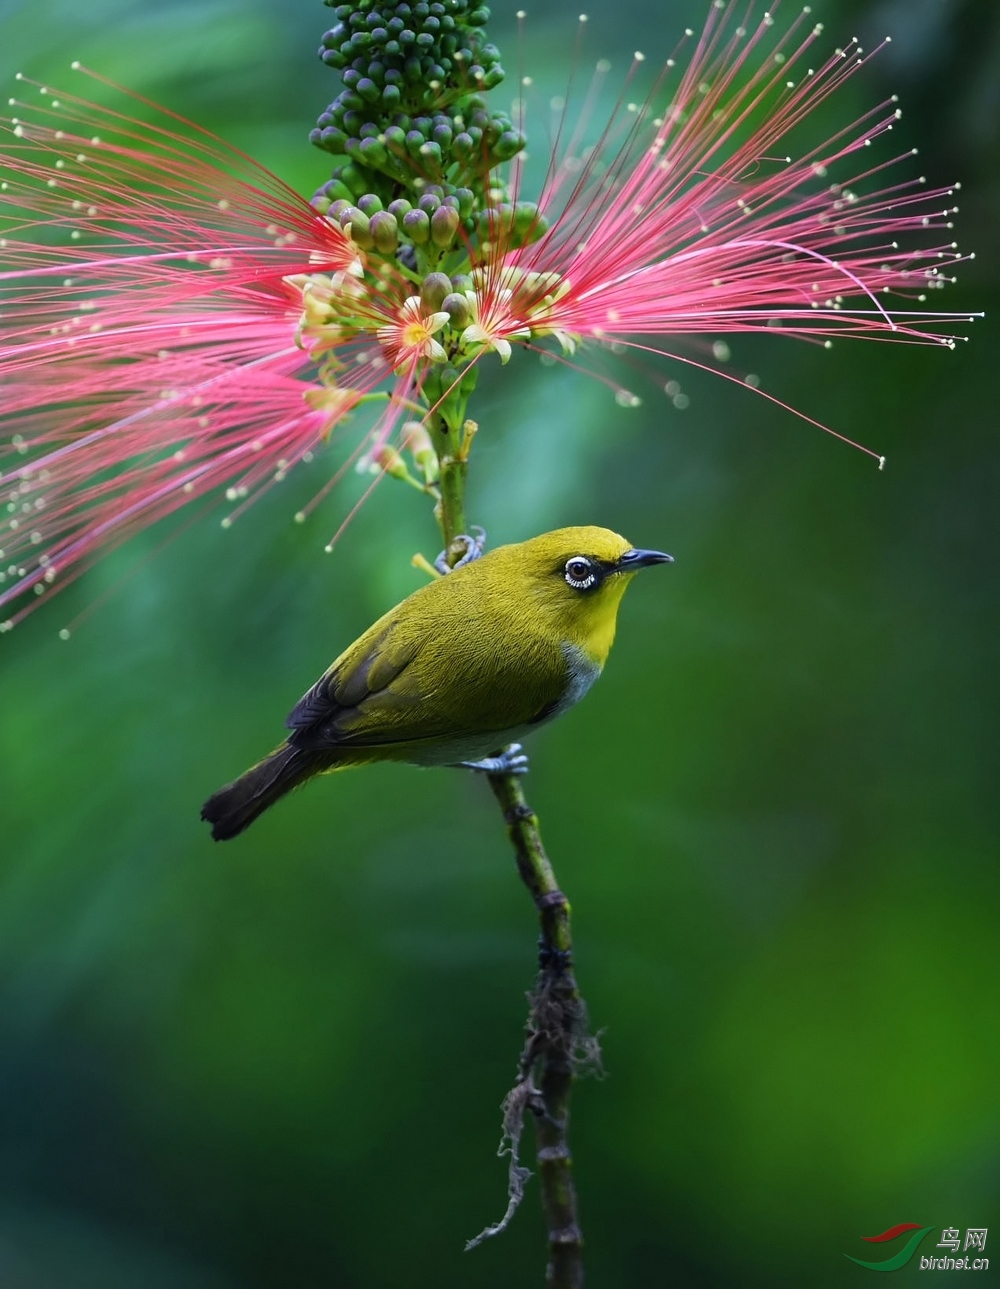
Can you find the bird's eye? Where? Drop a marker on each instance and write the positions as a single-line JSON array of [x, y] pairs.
[[580, 573]]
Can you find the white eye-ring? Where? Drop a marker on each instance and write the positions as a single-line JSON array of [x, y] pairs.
[[580, 573]]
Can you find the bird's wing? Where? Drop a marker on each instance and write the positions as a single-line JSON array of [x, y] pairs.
[[368, 668], [402, 683]]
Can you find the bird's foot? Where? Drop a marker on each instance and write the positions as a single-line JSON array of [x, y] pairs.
[[512, 760], [474, 547]]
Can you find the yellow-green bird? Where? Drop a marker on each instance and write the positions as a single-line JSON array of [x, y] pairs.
[[460, 669]]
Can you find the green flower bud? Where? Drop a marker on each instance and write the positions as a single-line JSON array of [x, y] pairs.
[[354, 222], [417, 227], [508, 145], [354, 179], [420, 446], [390, 461], [337, 191], [374, 154], [466, 200], [332, 139], [434, 288], [431, 155], [444, 226], [495, 220], [384, 232], [456, 306], [529, 222]]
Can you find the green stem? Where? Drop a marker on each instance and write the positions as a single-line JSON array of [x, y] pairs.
[[556, 1042], [452, 453]]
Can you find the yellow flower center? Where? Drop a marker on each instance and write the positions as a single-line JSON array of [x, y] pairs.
[[415, 334]]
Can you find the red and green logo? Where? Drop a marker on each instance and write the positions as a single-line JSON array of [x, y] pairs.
[[901, 1258]]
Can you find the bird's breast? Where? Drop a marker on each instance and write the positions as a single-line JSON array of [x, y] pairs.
[[581, 671]]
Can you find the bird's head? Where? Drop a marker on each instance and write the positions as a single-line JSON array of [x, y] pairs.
[[577, 577]]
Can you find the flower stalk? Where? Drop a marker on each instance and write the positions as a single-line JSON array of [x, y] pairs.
[[557, 1044], [452, 445]]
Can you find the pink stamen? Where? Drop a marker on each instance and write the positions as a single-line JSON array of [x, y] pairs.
[[150, 359]]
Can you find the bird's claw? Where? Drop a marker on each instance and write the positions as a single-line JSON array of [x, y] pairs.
[[474, 547], [512, 760]]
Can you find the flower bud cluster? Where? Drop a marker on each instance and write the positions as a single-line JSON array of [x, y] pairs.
[[415, 139], [409, 44], [433, 221]]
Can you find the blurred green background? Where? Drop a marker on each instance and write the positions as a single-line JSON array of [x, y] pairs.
[[278, 1064]]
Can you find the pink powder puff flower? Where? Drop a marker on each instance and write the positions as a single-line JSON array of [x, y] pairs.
[[177, 320], [493, 321], [161, 332], [409, 338], [689, 218]]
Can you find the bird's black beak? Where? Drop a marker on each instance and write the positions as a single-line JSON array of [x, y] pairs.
[[636, 559]]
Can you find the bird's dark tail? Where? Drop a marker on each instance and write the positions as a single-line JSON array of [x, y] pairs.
[[237, 805]]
